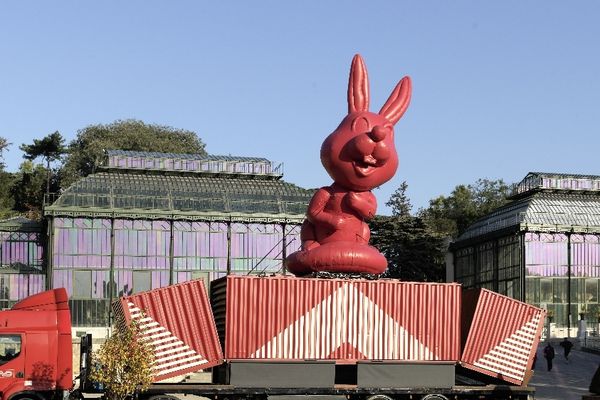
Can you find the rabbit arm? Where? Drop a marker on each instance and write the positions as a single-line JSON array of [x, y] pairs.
[[364, 203], [316, 210]]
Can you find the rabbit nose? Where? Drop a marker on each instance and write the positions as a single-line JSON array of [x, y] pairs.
[[379, 133]]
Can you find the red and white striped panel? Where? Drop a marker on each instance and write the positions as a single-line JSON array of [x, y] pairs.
[[288, 318], [502, 337], [354, 326], [510, 358], [171, 353]]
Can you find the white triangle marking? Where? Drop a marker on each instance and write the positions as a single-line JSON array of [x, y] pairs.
[[179, 354], [513, 362], [346, 316]]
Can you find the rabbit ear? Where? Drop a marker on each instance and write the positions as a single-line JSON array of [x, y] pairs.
[[358, 86], [396, 105]]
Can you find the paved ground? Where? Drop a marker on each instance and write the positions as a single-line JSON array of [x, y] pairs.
[[567, 380]]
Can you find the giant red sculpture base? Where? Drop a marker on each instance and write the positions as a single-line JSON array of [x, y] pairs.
[[359, 156]]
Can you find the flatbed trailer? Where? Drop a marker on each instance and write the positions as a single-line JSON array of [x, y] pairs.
[[219, 392], [37, 353]]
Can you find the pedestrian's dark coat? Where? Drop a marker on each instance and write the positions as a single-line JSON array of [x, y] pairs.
[[567, 345], [549, 355], [549, 352]]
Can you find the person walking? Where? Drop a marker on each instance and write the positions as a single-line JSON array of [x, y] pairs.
[[549, 355], [567, 346]]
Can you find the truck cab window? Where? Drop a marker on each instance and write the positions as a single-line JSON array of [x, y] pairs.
[[10, 347]]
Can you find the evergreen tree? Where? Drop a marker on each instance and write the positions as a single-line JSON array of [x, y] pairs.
[[28, 189], [3, 146], [414, 252], [399, 202], [6, 181], [50, 148]]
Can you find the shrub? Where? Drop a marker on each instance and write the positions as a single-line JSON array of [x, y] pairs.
[[123, 364]]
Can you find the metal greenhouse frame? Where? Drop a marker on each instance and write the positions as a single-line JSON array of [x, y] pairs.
[[147, 220], [543, 248]]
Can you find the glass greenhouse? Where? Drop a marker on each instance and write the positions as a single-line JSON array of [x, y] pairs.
[[21, 264], [543, 247], [147, 220]]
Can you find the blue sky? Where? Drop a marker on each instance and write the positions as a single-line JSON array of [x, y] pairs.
[[499, 88]]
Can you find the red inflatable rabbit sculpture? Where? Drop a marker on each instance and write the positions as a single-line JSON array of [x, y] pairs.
[[359, 156]]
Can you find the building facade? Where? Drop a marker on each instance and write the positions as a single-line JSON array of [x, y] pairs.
[[147, 220], [543, 247], [22, 271]]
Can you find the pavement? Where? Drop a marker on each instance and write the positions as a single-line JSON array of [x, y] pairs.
[[568, 380]]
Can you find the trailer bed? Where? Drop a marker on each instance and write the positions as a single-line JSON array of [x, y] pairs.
[[212, 391]]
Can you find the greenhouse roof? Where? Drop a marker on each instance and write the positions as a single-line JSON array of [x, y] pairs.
[[182, 196], [547, 211], [193, 163], [153, 154], [548, 181], [20, 224]]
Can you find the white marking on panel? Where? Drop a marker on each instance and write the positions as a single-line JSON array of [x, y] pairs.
[[363, 318], [174, 351]]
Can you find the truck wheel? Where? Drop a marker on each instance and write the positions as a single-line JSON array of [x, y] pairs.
[[434, 397], [161, 397], [379, 397], [27, 396]]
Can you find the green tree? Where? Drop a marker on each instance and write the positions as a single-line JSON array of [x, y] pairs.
[[414, 252], [87, 151], [123, 364], [28, 189], [6, 199], [50, 148], [399, 201], [451, 215], [3, 146], [6, 181]]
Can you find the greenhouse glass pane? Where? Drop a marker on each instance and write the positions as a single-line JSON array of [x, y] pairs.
[[124, 282], [545, 257], [64, 279], [142, 281], [4, 286], [585, 255], [546, 292], [591, 290], [533, 291], [559, 290], [577, 290], [82, 284]]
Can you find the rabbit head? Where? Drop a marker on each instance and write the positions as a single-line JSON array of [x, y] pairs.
[[360, 154]]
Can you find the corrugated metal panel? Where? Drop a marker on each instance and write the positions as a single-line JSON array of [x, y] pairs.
[[177, 320], [502, 335], [298, 318]]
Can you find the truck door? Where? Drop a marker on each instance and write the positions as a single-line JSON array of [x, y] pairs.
[[12, 364]]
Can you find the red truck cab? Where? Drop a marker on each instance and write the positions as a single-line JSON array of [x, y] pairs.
[[36, 348]]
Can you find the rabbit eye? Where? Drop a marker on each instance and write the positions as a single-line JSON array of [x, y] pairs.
[[361, 125]]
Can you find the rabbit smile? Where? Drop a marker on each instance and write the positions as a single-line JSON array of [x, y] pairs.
[[365, 168]]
